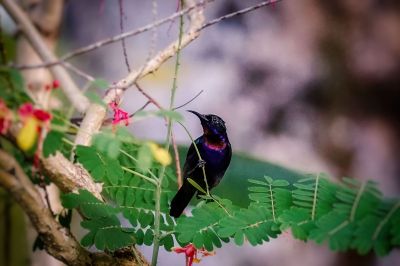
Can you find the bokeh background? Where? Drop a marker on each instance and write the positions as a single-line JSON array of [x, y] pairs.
[[313, 86]]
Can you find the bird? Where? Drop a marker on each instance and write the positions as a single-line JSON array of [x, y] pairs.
[[215, 152]]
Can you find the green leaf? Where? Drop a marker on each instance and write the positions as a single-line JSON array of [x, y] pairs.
[[107, 144], [173, 115], [148, 237], [99, 166], [204, 219], [90, 206], [198, 240], [100, 83], [95, 98], [257, 182], [139, 236], [145, 158], [280, 183], [167, 242], [336, 228], [299, 220], [106, 233], [197, 186], [52, 143], [92, 161], [239, 238]]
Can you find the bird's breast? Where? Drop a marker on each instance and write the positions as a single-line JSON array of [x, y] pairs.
[[213, 155]]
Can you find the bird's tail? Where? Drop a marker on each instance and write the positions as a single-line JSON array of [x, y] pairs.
[[181, 199]]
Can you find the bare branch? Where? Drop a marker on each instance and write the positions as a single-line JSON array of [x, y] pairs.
[[239, 12], [191, 100], [79, 101], [96, 113], [121, 26], [148, 27], [77, 71], [116, 38]]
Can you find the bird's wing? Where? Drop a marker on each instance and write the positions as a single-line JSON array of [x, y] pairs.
[[191, 161]]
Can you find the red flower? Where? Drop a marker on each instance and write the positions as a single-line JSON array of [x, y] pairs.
[[5, 119], [119, 114], [191, 253], [41, 115], [26, 110], [56, 84]]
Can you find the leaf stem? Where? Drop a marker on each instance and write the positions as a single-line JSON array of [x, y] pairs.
[[315, 198], [154, 182], [357, 201], [135, 160], [385, 220]]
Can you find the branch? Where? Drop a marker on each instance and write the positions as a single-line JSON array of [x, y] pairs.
[[239, 12], [96, 113], [79, 101], [59, 242], [69, 177], [143, 29], [116, 38]]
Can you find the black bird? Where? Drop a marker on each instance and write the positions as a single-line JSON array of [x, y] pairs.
[[216, 153]]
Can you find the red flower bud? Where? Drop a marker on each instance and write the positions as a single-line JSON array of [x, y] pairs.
[[56, 84]]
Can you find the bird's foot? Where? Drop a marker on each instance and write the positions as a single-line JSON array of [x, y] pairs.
[[201, 163]]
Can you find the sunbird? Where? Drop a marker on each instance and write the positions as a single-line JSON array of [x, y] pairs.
[[215, 152]]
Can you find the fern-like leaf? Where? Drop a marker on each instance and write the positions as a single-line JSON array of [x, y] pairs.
[[202, 226], [256, 224], [355, 201], [272, 194]]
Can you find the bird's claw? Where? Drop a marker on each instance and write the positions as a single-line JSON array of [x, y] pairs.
[[201, 163]]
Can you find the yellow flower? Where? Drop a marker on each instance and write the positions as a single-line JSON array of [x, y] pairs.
[[160, 154], [27, 136]]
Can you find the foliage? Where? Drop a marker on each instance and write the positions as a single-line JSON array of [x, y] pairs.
[[138, 187], [349, 215], [133, 197], [105, 229]]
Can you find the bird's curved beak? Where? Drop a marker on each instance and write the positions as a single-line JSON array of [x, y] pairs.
[[200, 116]]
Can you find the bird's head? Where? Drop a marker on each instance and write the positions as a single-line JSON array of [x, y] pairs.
[[213, 125]]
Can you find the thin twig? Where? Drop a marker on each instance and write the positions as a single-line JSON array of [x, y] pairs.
[[239, 12], [157, 233], [151, 99], [177, 161], [153, 41], [148, 27], [140, 109], [174, 145], [78, 71], [116, 38], [191, 100], [121, 26]]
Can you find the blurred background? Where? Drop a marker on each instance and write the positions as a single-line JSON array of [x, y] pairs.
[[311, 85]]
